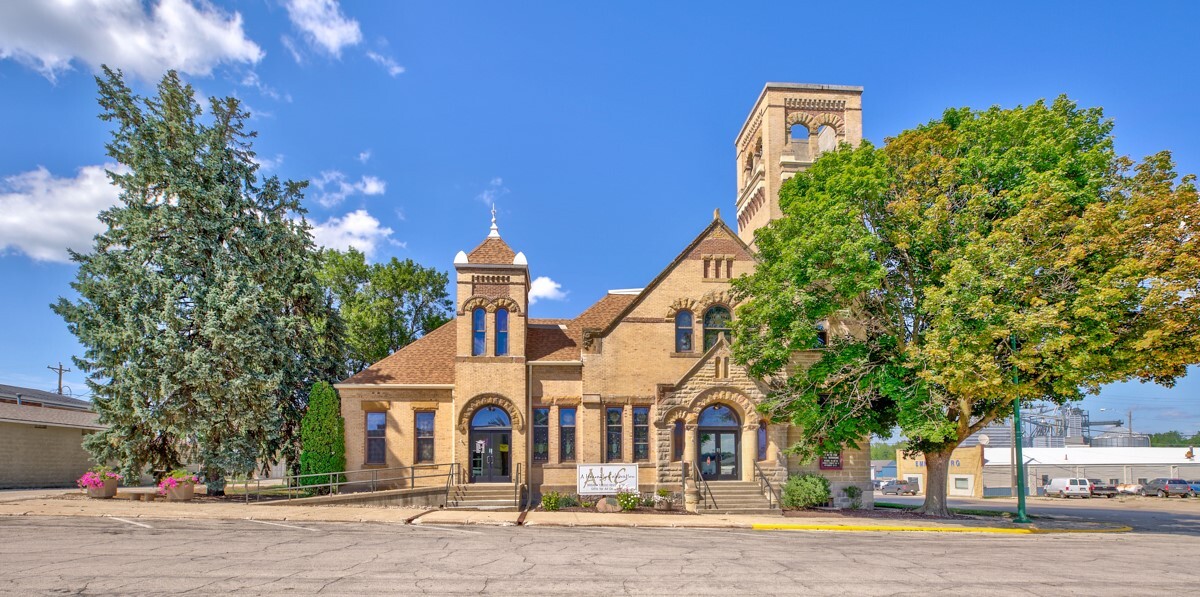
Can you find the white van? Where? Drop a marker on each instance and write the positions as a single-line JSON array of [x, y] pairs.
[[1068, 487]]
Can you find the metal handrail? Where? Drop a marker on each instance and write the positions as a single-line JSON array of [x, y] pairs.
[[706, 493], [764, 485], [517, 485], [339, 480]]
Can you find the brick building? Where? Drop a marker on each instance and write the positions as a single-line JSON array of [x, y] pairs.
[[642, 376], [41, 438]]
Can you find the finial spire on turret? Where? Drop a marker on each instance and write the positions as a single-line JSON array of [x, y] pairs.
[[495, 233]]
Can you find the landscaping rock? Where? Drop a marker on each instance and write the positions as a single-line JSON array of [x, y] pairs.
[[608, 504]]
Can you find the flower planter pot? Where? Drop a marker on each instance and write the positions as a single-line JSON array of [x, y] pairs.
[[181, 493], [663, 506], [102, 493]]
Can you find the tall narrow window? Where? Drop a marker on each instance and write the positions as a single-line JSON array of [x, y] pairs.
[[677, 441], [478, 332], [501, 332], [612, 434], [716, 324], [822, 335], [762, 441], [376, 438], [566, 434], [641, 433], [425, 436], [541, 434], [683, 331]]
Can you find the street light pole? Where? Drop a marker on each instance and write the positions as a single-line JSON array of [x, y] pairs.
[[1018, 439]]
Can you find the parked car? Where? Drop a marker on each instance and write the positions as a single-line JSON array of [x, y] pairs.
[[899, 487], [1129, 488], [1065, 487], [1102, 489], [1195, 486], [1163, 487]]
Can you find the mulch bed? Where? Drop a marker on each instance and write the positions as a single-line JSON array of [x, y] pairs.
[[640, 510]]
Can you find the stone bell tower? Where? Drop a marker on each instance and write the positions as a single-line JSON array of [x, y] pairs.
[[789, 126]]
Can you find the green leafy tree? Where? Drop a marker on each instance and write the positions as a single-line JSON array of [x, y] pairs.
[[199, 308], [1174, 439], [985, 257], [885, 451], [385, 306], [322, 435]]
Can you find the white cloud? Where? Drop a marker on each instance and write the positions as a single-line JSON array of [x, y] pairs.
[[388, 64], [494, 190], [323, 25], [41, 216], [543, 288], [333, 188], [267, 164], [364, 156], [175, 34], [357, 229]]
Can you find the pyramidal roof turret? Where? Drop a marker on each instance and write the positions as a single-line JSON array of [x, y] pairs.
[[492, 251]]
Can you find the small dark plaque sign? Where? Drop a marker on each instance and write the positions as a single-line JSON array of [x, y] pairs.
[[831, 461]]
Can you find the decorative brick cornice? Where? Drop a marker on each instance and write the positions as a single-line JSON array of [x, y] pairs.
[[808, 103]]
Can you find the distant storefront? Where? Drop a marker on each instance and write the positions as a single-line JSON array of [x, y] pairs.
[[41, 438], [963, 475]]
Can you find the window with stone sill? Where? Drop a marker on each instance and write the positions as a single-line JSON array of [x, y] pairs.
[[612, 433], [478, 332], [541, 434], [641, 433], [716, 324], [683, 331], [424, 426], [376, 438], [566, 434]]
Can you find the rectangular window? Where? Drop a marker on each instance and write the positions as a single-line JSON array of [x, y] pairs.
[[566, 434], [376, 438], [425, 436], [541, 434], [612, 434], [641, 433], [961, 483]]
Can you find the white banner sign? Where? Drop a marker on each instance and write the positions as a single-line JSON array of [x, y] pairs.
[[606, 479]]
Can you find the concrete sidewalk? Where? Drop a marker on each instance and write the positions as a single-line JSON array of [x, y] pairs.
[[74, 503]]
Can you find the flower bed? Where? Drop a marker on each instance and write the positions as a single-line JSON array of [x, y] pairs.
[[100, 482], [178, 485]]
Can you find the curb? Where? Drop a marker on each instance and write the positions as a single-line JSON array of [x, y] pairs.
[[923, 529]]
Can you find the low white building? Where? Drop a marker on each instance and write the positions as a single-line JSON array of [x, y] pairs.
[[1115, 465]]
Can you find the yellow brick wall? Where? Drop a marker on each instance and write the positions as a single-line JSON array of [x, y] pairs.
[[46, 457], [401, 406], [963, 461]]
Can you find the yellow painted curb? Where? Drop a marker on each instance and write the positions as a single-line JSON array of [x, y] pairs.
[[923, 529]]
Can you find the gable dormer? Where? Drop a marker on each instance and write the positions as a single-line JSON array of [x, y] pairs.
[[492, 283]]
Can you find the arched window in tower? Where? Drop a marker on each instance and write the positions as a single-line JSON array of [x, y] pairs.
[[826, 138], [716, 324], [501, 332], [478, 332], [683, 331], [798, 132]]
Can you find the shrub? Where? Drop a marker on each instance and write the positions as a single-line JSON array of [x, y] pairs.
[[855, 494], [806, 491], [628, 500], [587, 503], [552, 501], [568, 501], [663, 492], [322, 439]]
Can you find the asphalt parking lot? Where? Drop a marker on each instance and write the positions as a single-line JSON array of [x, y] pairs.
[[42, 555], [1144, 514]]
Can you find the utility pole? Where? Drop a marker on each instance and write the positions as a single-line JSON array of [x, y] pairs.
[[1018, 439], [60, 370]]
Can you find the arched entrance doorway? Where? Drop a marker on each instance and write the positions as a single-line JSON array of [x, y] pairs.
[[719, 434], [491, 446]]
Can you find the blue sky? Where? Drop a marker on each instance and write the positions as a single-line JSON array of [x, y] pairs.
[[604, 132]]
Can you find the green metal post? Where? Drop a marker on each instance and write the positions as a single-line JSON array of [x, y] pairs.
[[1019, 438]]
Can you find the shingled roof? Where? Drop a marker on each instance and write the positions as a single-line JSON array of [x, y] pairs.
[[551, 340], [49, 416], [493, 251], [429, 360]]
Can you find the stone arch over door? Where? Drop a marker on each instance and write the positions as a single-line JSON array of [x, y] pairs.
[[728, 396], [484, 400]]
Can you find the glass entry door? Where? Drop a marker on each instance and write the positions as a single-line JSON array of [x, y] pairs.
[[491, 456], [718, 458]]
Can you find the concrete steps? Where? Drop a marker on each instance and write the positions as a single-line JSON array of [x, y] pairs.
[[482, 496], [738, 497]]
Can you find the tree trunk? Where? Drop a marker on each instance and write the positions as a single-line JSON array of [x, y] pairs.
[[937, 465]]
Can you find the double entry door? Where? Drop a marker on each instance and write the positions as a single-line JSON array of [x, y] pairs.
[[718, 458], [491, 456]]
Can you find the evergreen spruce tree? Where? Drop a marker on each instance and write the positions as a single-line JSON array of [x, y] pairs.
[[198, 308], [322, 435]]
